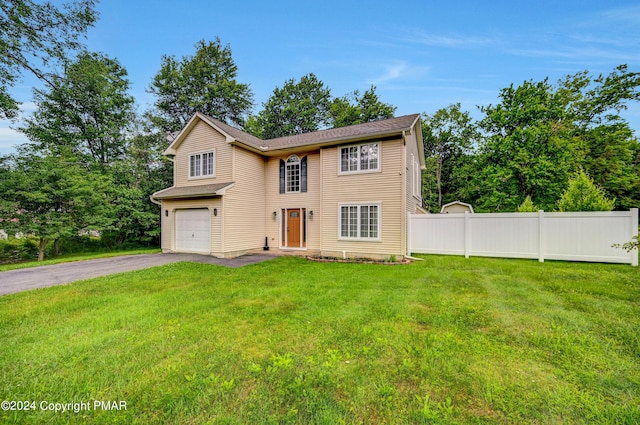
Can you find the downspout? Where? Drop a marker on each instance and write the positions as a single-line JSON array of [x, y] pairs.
[[405, 246]]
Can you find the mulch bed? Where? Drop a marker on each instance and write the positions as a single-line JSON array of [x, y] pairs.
[[321, 259]]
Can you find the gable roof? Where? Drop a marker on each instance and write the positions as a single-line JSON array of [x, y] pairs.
[[352, 133]]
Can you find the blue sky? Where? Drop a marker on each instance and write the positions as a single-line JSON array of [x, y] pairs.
[[421, 55]]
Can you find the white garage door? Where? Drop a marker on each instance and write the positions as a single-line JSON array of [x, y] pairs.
[[193, 229]]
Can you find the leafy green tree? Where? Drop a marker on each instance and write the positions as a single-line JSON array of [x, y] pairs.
[[205, 82], [356, 109], [144, 171], [448, 138], [34, 36], [583, 195], [53, 196], [528, 149], [296, 108], [87, 111], [540, 134]]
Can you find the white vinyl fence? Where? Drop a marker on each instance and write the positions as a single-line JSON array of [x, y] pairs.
[[572, 236]]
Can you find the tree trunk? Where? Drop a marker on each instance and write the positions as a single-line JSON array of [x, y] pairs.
[[41, 247], [56, 247]]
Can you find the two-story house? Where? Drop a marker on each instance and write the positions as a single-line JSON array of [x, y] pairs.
[[338, 192]]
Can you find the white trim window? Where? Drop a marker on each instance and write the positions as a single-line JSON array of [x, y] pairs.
[[293, 174], [417, 183], [363, 158], [202, 164], [359, 222]]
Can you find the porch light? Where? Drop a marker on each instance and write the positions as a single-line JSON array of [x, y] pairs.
[[310, 215], [166, 213], [274, 214], [215, 212]]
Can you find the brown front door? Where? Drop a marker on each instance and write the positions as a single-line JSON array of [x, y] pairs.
[[293, 228]]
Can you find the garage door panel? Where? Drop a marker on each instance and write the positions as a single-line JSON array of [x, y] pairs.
[[193, 230]]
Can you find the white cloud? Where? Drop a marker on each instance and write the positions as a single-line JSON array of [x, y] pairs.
[[9, 138], [435, 40], [397, 71]]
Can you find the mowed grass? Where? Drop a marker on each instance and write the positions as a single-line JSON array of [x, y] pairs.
[[444, 340], [68, 258]]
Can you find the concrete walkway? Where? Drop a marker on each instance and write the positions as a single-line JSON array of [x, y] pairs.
[[40, 277]]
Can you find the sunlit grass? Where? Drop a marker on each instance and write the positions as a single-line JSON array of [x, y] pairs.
[[445, 340], [67, 258]]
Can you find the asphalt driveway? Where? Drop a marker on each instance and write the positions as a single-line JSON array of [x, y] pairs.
[[40, 277]]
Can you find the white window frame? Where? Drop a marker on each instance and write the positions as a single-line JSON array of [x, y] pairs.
[[358, 223], [358, 161], [417, 186], [197, 160], [291, 172]]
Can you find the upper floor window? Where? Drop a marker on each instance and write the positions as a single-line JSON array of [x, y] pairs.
[[293, 174], [360, 158], [202, 164]]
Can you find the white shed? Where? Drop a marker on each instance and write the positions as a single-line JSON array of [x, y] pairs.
[[456, 207]]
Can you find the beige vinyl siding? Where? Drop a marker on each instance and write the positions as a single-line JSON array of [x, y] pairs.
[[276, 201], [384, 188], [244, 203], [168, 236], [203, 138]]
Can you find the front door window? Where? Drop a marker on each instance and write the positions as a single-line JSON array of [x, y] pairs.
[[294, 228]]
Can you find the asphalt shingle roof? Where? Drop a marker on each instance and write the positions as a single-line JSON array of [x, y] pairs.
[[353, 132], [190, 191]]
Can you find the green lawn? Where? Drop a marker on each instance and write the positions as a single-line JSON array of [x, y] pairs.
[[67, 258], [445, 340]]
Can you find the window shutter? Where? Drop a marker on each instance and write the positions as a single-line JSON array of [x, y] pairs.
[[282, 173], [303, 174]]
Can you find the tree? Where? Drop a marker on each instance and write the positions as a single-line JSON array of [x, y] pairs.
[[528, 150], [355, 109], [205, 82], [540, 134], [296, 108], [448, 137], [86, 112], [143, 171], [527, 206], [33, 37], [52, 196], [583, 195]]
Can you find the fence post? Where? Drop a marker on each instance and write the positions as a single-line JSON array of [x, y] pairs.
[[467, 235], [541, 236], [634, 233]]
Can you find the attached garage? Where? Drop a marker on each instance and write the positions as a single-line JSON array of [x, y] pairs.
[[193, 230]]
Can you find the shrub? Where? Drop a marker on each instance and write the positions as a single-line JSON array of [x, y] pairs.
[[583, 195], [527, 206], [14, 250]]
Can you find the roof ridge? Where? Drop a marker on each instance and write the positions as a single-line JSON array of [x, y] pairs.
[[370, 128]]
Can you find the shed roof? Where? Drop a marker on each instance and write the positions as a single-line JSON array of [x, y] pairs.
[[205, 190]]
